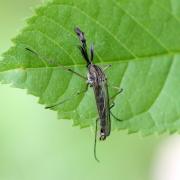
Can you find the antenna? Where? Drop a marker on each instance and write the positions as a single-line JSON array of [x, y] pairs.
[[83, 47], [92, 52], [59, 65]]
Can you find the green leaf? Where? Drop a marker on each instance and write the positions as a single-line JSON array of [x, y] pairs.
[[141, 39]]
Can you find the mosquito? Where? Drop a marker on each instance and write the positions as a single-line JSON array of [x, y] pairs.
[[96, 79]]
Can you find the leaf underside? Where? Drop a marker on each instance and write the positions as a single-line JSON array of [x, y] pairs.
[[140, 39]]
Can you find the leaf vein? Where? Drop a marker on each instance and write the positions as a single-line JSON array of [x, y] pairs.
[[143, 27], [100, 25]]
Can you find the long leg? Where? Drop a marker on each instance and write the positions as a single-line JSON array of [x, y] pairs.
[[95, 142], [67, 69], [120, 91], [113, 104], [62, 102], [117, 119]]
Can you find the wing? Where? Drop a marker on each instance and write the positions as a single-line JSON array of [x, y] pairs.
[[102, 102]]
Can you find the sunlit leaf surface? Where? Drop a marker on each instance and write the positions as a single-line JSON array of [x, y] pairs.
[[140, 39]]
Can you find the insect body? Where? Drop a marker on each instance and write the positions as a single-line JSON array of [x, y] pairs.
[[97, 80]]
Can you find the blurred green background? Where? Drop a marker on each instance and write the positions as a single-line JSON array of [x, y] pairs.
[[34, 145]]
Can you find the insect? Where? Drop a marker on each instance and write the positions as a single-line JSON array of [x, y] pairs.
[[96, 79]]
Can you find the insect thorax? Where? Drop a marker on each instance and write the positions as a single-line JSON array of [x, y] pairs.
[[95, 75]]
